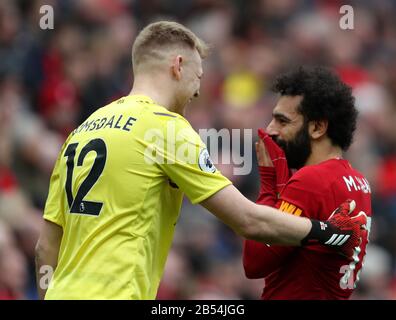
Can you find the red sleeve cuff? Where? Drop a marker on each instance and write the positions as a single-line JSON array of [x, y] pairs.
[[267, 193]]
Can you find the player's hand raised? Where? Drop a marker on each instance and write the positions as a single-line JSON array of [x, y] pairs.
[[269, 154]]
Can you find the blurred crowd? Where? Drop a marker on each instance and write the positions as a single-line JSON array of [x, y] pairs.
[[51, 80]]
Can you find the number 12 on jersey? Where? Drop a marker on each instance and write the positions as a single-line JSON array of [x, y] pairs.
[[78, 204]]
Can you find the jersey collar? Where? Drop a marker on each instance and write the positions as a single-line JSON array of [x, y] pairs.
[[142, 98]]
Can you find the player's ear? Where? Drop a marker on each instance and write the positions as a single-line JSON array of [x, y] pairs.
[[176, 67], [318, 128]]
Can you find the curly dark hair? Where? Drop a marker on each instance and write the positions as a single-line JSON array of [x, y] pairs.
[[325, 97]]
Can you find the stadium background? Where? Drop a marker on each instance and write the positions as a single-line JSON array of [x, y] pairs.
[[50, 80]]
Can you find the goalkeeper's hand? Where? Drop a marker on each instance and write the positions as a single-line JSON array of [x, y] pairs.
[[340, 231]]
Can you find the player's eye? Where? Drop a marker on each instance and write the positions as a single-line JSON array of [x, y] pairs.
[[282, 121]]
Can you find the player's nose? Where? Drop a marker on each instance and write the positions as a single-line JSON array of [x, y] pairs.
[[271, 129]]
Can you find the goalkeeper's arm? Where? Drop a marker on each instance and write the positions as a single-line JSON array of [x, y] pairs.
[[266, 224]]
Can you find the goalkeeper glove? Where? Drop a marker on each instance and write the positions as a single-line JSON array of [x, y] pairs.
[[340, 231]]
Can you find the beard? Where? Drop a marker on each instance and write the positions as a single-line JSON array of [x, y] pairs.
[[297, 150]]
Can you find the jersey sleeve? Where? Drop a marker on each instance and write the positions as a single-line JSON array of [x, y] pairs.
[[303, 193], [299, 197], [185, 159], [53, 205], [267, 192], [260, 259]]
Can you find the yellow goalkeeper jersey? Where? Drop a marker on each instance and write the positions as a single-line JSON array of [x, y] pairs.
[[116, 190]]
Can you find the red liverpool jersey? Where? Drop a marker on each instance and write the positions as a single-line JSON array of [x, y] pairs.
[[315, 271]]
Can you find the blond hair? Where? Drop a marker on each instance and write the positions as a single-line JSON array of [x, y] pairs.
[[153, 39]]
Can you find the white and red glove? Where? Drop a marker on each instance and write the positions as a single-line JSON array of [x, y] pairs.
[[340, 231]]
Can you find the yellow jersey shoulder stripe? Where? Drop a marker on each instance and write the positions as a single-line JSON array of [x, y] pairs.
[[164, 114]]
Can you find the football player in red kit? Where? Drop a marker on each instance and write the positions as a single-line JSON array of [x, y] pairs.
[[313, 122]]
